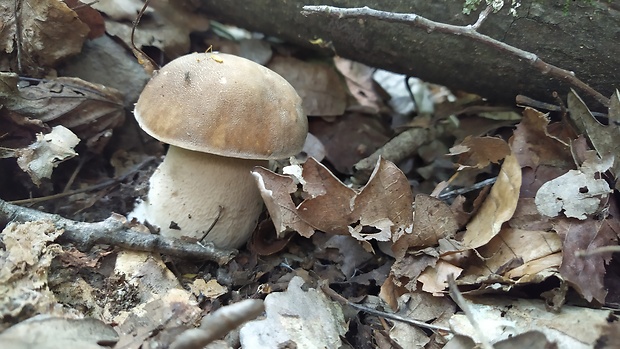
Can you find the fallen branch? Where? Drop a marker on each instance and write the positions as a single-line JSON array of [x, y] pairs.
[[469, 32], [117, 231]]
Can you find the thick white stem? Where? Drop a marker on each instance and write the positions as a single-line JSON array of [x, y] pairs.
[[190, 189]]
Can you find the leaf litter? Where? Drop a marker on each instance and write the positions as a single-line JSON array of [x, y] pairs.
[[524, 248]]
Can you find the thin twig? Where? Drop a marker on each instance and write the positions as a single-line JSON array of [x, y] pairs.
[[473, 187], [482, 17], [458, 298], [334, 295], [598, 250], [98, 186], [116, 231], [469, 32]]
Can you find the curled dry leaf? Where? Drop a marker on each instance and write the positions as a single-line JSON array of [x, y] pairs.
[[383, 207], [479, 152], [433, 221], [380, 211], [319, 85], [604, 138], [577, 193], [45, 31], [498, 207], [89, 110]]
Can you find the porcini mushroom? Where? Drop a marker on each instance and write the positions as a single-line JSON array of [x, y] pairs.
[[221, 115]]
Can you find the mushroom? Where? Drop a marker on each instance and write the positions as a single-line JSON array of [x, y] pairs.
[[221, 115]]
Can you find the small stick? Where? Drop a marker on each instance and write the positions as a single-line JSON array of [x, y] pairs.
[[469, 32], [334, 295], [116, 231], [458, 298]]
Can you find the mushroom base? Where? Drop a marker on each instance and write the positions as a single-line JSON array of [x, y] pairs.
[[191, 191]]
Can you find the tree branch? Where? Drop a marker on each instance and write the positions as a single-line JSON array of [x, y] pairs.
[[469, 32], [116, 231]]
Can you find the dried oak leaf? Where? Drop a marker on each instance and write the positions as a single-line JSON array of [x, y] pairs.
[[46, 32], [433, 221], [533, 145], [276, 191], [577, 193], [479, 152], [498, 207], [321, 89], [585, 274], [384, 205], [89, 110], [603, 138]]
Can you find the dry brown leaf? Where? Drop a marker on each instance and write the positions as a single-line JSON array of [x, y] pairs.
[[479, 152], [166, 26], [433, 221], [89, 110], [276, 191], [585, 274], [533, 145], [509, 250], [603, 138], [46, 32], [384, 205], [498, 207], [349, 138], [406, 270], [361, 84], [435, 280], [319, 85], [328, 204]]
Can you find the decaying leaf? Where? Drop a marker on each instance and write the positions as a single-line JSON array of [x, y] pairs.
[[46, 32], [603, 138], [166, 26], [381, 211], [40, 158], [45, 332], [24, 265], [307, 318], [503, 318], [577, 193], [498, 206], [585, 274], [276, 191], [384, 205], [361, 84], [90, 110], [319, 85], [479, 152]]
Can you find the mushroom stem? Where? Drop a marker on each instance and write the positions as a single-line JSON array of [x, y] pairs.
[[189, 190]]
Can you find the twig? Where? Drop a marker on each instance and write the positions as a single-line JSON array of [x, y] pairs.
[[473, 187], [218, 324], [458, 298], [98, 186], [482, 17], [334, 295], [469, 32], [396, 150], [116, 231], [598, 250]]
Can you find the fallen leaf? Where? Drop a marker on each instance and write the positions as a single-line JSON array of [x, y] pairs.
[[585, 274], [479, 152], [319, 85], [577, 193], [603, 138], [435, 280], [361, 84], [42, 33], [384, 205], [304, 317], [498, 206], [42, 156]]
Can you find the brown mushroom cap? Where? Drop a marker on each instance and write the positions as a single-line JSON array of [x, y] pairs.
[[225, 105]]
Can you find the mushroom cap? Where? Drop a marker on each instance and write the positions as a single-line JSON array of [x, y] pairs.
[[224, 105]]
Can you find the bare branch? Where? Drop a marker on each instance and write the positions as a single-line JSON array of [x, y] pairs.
[[468, 32], [116, 231]]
